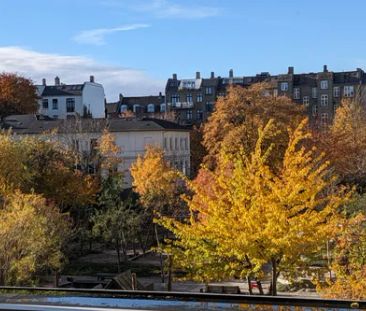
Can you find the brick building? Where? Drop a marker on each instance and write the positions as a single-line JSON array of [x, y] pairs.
[[321, 93]]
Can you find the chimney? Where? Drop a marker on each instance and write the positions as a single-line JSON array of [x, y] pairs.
[[325, 68], [231, 73], [212, 75], [198, 75], [160, 94], [291, 70], [57, 81], [92, 79], [120, 97], [44, 81], [174, 76]]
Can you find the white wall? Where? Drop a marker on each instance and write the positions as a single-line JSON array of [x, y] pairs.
[[133, 144], [60, 113], [93, 99]]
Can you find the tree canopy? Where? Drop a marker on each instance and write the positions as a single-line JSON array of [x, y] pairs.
[[18, 95], [251, 214]]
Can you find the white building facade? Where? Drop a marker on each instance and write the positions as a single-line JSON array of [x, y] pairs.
[[131, 136], [61, 101]]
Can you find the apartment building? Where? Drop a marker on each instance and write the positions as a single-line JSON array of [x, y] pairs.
[[62, 101], [132, 136], [139, 105], [321, 92]]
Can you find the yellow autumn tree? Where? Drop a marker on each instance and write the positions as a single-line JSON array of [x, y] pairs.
[[32, 234], [159, 187], [253, 215]]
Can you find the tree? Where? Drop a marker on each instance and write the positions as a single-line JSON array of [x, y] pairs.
[[349, 262], [237, 116], [32, 234], [18, 95], [198, 151], [345, 142], [159, 187], [253, 214], [118, 225]]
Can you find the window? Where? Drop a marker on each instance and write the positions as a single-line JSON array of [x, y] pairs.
[[186, 143], [306, 100], [189, 114], [348, 91], [136, 108], [199, 98], [284, 86], [209, 106], [162, 107], [176, 143], [175, 99], [296, 93], [315, 110], [181, 144], [314, 92], [150, 108], [324, 100], [124, 108], [45, 103], [165, 143], [171, 143], [189, 98], [148, 141], [324, 84], [324, 119], [70, 104], [55, 104], [336, 91], [199, 115], [209, 90]]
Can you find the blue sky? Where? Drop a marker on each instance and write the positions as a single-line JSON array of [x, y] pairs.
[[133, 46]]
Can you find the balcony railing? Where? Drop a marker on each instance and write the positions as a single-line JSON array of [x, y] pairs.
[[182, 105]]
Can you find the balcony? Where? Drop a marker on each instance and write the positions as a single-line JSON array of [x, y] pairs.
[[182, 105]]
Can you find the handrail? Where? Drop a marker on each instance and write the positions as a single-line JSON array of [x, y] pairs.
[[195, 296]]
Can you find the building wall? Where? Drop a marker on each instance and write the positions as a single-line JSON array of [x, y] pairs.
[[133, 144], [60, 113], [93, 99]]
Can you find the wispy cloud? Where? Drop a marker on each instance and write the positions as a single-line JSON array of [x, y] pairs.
[[97, 36], [76, 69], [167, 8]]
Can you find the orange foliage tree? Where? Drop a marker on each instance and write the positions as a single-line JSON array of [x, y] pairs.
[[237, 117], [18, 95]]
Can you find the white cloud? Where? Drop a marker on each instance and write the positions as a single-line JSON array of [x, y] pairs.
[[77, 69], [96, 36], [166, 8]]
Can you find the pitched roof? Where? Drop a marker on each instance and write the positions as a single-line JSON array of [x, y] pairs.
[[63, 90], [32, 124]]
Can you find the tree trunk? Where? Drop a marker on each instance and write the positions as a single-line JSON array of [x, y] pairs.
[[161, 255], [170, 272], [118, 258], [260, 287], [250, 285], [274, 278]]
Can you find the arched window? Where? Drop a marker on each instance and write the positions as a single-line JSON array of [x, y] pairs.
[[150, 108]]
